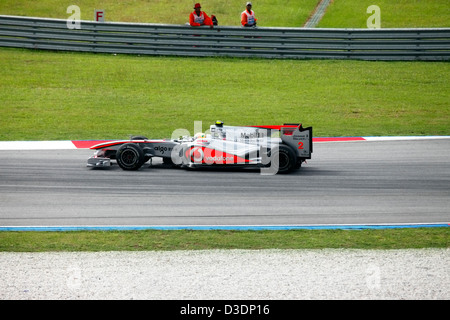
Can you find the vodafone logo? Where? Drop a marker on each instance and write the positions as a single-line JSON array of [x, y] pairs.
[[202, 155], [219, 159], [196, 154]]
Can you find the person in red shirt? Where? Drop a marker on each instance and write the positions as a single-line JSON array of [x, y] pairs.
[[248, 16], [199, 18]]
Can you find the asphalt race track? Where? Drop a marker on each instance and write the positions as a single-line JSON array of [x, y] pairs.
[[388, 182]]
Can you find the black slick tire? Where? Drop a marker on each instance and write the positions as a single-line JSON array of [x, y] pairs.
[[130, 156], [283, 159]]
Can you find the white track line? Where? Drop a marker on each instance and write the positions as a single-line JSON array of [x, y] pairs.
[[36, 145], [387, 138]]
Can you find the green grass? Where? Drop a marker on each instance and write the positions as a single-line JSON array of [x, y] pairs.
[[202, 240], [270, 13], [52, 96], [63, 96], [394, 14]]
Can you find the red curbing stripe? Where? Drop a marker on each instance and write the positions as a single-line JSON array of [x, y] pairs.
[[86, 144]]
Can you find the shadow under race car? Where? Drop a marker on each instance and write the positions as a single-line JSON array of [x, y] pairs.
[[274, 149]]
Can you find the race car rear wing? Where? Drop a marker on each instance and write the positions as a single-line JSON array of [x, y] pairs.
[[293, 135], [299, 139]]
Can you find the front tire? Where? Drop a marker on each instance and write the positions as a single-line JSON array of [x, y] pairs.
[[130, 157]]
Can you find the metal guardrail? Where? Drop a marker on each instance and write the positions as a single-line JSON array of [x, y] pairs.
[[183, 40]]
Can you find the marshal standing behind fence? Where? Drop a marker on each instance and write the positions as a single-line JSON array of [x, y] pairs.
[[248, 16], [199, 18]]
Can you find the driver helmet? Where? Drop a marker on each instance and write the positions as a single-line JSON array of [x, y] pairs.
[[199, 135]]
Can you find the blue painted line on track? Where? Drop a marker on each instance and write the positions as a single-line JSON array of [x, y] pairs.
[[238, 228]]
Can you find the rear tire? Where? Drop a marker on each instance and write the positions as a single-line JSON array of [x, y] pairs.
[[130, 157], [283, 159]]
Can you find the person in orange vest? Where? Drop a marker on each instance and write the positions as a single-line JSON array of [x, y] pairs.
[[248, 16], [199, 18]]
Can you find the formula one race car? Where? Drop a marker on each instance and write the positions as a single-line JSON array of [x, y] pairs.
[[275, 149]]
